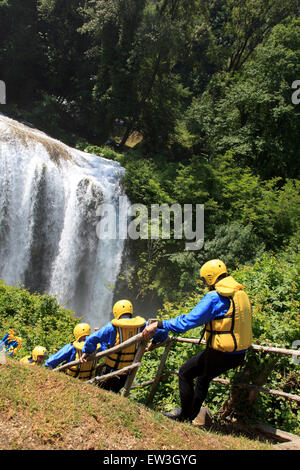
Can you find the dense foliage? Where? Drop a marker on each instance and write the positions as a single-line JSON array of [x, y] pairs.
[[193, 77], [38, 319], [244, 216]]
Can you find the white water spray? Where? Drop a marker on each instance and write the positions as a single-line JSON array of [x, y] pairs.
[[49, 194]]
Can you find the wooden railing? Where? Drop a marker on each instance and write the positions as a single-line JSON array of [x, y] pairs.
[[267, 349], [131, 370], [141, 346]]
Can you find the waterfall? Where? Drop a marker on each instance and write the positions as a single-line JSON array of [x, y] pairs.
[[49, 195]]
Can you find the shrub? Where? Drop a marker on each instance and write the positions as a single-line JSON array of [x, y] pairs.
[[37, 319]]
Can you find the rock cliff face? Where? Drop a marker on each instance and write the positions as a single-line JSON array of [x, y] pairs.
[[50, 200]]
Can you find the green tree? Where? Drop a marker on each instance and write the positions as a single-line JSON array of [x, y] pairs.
[[21, 58], [112, 27], [136, 45], [252, 114], [37, 319], [238, 27], [67, 84]]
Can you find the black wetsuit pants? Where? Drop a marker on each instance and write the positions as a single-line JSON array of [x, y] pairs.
[[196, 374], [114, 383]]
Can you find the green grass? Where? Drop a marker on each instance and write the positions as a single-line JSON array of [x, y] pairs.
[[41, 409]]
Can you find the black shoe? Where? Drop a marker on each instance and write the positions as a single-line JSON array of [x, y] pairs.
[[176, 415]]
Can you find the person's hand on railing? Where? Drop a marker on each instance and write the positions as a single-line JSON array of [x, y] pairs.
[[82, 358], [149, 330]]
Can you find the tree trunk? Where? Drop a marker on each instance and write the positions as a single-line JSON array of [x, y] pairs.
[[231, 406]]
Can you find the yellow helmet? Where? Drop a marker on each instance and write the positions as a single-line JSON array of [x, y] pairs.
[[82, 329], [211, 270], [38, 351], [121, 307]]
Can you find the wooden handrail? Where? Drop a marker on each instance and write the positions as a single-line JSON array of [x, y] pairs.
[[256, 347], [124, 370], [269, 391], [167, 344], [100, 354], [138, 337]]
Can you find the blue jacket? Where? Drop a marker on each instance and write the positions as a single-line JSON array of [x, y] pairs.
[[66, 354], [211, 306]]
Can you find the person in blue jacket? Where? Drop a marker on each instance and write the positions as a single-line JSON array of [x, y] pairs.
[[226, 313], [122, 327], [73, 351]]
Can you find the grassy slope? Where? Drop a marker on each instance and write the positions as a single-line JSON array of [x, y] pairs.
[[45, 410]]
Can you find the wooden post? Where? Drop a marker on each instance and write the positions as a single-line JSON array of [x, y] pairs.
[[103, 378], [142, 384], [159, 372], [132, 374]]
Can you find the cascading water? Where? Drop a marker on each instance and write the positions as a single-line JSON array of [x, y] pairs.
[[49, 195]]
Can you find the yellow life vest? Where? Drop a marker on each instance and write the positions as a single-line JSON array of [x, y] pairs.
[[232, 331], [28, 360], [126, 328], [85, 370]]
